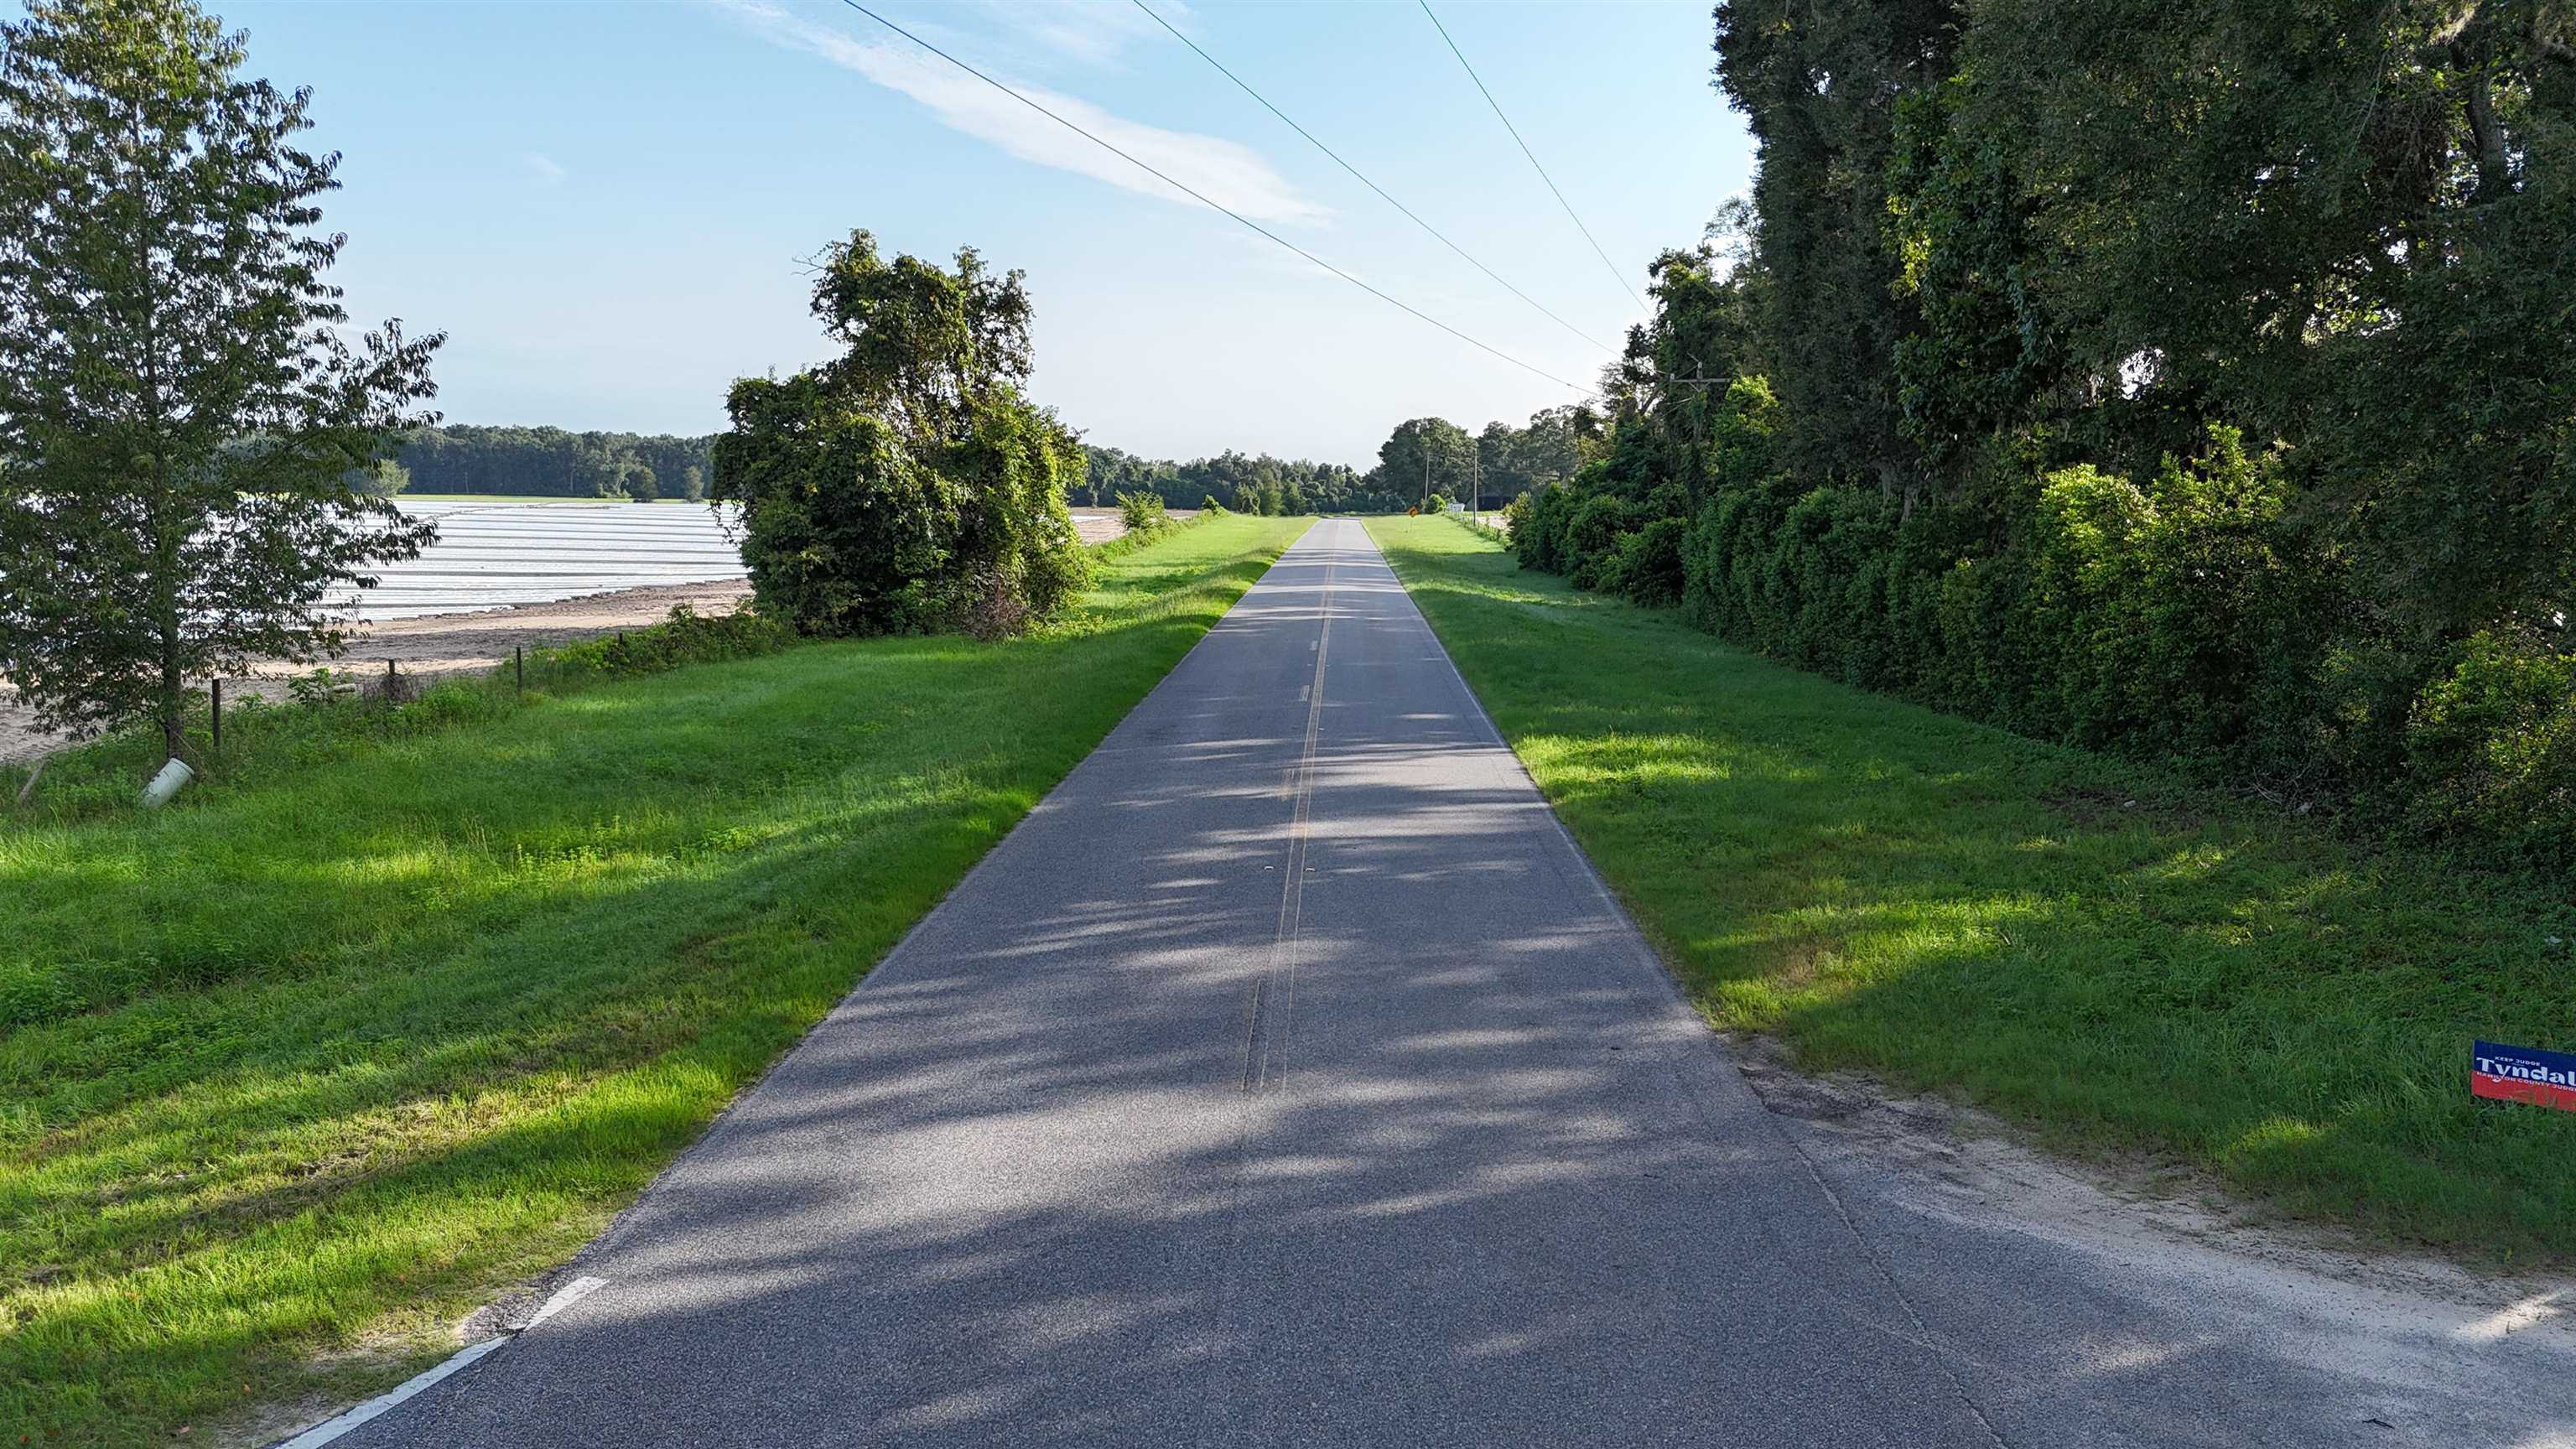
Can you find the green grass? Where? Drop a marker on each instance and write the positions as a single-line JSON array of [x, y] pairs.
[[451, 997], [2102, 953]]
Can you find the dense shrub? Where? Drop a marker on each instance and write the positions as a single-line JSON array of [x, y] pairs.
[[686, 637], [2179, 624], [842, 529], [1590, 544], [2185, 616], [2163, 619], [1538, 527], [2491, 747], [908, 484], [1143, 513], [1647, 565]]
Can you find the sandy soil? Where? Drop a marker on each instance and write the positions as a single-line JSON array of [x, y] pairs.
[[2415, 1323], [446, 644], [1099, 525]]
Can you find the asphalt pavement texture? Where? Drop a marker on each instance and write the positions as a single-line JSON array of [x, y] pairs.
[[1287, 1077]]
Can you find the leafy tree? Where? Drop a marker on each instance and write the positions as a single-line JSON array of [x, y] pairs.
[[844, 530], [1238, 479], [1144, 514], [382, 479], [2198, 381], [2342, 225], [1499, 464], [908, 483], [1424, 456], [1556, 442], [1498, 473], [1815, 84], [186, 441]]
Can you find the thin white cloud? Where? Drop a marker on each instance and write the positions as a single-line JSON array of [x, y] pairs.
[[1094, 32], [546, 170], [1047, 35], [1231, 175]]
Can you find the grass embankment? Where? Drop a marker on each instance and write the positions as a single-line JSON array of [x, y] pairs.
[[400, 1025], [2098, 951]]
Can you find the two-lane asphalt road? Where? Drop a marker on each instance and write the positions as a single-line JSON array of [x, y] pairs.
[[1288, 1079]]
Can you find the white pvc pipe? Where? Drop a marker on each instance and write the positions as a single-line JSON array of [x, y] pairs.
[[167, 783]]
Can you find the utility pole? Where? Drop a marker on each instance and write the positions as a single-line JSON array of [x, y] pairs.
[[1476, 490]]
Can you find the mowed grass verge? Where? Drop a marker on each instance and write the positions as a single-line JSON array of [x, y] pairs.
[[459, 995], [2098, 951]]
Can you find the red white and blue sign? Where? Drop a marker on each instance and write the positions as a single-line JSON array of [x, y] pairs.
[[2523, 1074]]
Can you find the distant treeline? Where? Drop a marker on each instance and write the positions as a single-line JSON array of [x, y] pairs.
[[552, 463], [1238, 481], [1422, 460], [1435, 460]]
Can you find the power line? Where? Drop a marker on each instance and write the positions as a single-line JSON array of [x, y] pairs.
[[1371, 185], [1195, 195], [1533, 159]]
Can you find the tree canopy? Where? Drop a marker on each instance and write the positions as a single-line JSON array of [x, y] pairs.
[[907, 483], [186, 438], [1242, 482], [2195, 381]]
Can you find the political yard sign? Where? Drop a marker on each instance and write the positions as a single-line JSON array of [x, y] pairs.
[[2523, 1074]]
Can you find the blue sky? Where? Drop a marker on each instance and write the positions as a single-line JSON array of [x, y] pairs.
[[604, 205]]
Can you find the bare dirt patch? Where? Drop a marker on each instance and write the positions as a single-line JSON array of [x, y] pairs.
[[1099, 525], [2410, 1318], [438, 644]]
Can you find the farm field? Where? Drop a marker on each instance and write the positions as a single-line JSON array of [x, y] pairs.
[[497, 553], [494, 555], [511, 573], [505, 574]]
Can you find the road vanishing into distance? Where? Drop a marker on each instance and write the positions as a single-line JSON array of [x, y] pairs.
[[1287, 1078]]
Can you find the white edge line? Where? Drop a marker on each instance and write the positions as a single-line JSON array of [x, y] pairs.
[[565, 1297], [465, 1358], [330, 1429]]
